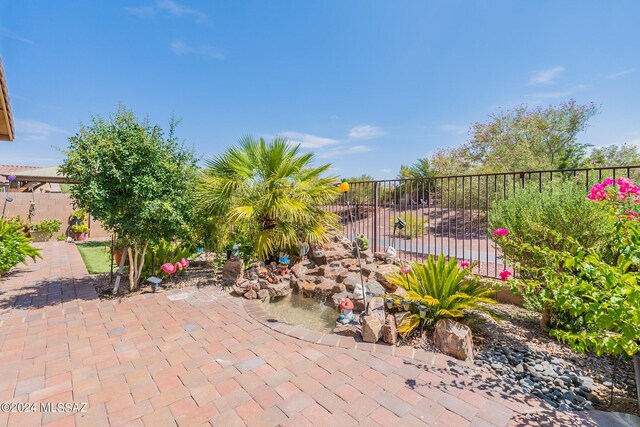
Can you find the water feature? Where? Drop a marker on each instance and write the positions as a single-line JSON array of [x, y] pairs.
[[305, 312]]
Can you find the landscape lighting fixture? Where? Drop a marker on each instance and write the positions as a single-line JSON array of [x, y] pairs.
[[423, 311], [406, 305], [389, 302], [7, 199], [399, 224]]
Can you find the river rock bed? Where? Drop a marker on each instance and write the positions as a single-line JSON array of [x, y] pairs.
[[561, 384]]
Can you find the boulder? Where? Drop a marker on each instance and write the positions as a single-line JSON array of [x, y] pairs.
[[232, 272], [389, 330], [371, 329], [379, 255], [454, 338], [279, 289], [264, 283], [376, 309], [351, 280], [401, 292], [333, 273], [346, 243], [336, 299], [263, 294], [308, 289], [348, 330], [251, 294], [324, 289], [298, 270], [381, 276], [336, 256], [375, 288], [349, 262], [338, 288], [318, 257], [369, 269]]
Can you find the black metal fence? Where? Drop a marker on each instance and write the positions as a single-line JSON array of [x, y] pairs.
[[446, 214]]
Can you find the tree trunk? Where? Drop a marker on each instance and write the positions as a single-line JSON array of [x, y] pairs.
[[545, 320], [636, 368], [116, 286]]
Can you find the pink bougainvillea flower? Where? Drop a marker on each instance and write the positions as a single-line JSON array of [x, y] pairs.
[[500, 232], [185, 263], [168, 268], [538, 288], [632, 213], [463, 264], [405, 270], [504, 275]]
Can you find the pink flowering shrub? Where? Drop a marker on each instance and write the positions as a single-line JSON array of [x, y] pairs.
[[589, 296]]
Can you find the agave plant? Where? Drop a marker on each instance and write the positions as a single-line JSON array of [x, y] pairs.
[[444, 287], [270, 191]]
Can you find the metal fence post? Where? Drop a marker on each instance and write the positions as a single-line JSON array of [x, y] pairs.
[[375, 216]]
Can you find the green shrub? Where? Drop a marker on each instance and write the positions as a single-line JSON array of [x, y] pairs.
[[79, 228], [561, 207], [591, 295], [444, 287], [161, 253], [14, 246], [414, 225], [47, 226]]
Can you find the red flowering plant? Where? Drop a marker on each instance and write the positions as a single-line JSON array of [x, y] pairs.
[[590, 296]]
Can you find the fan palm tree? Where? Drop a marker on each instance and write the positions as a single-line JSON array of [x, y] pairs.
[[271, 192]]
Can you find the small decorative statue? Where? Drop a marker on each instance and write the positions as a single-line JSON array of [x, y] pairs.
[[358, 291], [390, 255], [236, 250], [283, 264], [347, 311]]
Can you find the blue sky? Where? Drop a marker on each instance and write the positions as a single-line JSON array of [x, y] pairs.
[[367, 85]]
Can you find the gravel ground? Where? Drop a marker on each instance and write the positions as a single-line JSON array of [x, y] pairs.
[[518, 329], [195, 276]]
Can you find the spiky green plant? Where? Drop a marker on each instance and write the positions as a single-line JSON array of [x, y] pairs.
[[271, 191], [445, 288]]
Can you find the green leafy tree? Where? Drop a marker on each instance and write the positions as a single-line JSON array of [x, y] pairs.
[[419, 170], [272, 192], [134, 179], [612, 155]]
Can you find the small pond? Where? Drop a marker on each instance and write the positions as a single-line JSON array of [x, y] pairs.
[[305, 312]]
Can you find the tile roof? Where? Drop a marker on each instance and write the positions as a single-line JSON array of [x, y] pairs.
[[12, 170]]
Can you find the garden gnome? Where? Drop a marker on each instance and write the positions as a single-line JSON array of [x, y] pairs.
[[347, 311]]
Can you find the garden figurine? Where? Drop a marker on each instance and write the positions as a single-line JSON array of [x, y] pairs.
[[347, 311]]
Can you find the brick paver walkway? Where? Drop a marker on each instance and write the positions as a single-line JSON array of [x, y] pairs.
[[192, 357]]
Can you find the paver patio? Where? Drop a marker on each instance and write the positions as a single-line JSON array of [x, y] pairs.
[[194, 356]]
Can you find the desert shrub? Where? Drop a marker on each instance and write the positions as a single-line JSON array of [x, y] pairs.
[[414, 225], [590, 295], [47, 225], [561, 207], [15, 246], [445, 287]]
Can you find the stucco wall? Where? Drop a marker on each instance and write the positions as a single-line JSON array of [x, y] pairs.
[[48, 205]]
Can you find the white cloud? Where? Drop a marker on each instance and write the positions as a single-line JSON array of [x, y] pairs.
[[619, 74], [365, 132], [356, 149], [171, 7], [457, 129], [33, 130], [386, 170], [176, 9], [180, 48], [307, 140], [5, 32], [547, 76]]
